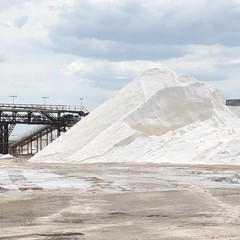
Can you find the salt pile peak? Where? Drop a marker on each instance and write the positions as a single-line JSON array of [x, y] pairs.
[[158, 117]]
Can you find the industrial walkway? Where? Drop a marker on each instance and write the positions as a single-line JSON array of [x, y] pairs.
[[48, 118]]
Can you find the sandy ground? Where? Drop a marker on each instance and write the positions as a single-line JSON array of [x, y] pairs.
[[118, 201]]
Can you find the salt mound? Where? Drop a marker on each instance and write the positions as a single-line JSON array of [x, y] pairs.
[[5, 156], [158, 117]]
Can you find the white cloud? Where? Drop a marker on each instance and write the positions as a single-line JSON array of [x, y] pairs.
[[108, 74], [85, 66]]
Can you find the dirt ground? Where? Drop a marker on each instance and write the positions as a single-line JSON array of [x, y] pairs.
[[118, 201]]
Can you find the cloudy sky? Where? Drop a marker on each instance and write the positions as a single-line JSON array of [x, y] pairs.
[[67, 49]]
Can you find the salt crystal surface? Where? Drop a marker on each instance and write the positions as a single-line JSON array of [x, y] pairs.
[[158, 117]]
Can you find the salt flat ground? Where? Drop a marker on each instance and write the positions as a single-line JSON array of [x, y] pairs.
[[118, 201]]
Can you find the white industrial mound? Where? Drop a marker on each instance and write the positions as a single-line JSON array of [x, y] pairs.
[[159, 117]]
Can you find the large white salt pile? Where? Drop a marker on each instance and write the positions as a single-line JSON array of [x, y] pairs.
[[158, 117]]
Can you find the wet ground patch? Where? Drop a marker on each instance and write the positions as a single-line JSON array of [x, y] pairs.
[[234, 179]]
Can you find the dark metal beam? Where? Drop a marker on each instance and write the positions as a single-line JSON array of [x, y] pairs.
[[4, 138], [233, 102]]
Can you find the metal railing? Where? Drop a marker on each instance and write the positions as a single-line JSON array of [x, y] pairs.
[[5, 106], [29, 133]]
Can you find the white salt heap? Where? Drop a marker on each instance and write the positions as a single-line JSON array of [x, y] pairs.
[[5, 156], [159, 117]]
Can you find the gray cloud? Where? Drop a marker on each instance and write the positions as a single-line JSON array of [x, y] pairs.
[[4, 25], [21, 21], [105, 76], [146, 30], [115, 51], [229, 66], [2, 58], [209, 76], [7, 4]]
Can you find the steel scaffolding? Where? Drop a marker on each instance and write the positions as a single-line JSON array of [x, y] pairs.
[[49, 118]]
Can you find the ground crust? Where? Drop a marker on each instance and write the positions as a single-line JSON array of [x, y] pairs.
[[118, 201]]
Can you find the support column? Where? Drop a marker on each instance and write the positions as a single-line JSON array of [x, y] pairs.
[[58, 131], [1, 139], [4, 138]]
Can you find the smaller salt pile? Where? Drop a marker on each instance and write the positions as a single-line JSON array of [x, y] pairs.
[[5, 156], [158, 117]]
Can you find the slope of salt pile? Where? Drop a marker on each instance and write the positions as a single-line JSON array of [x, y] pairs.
[[159, 117]]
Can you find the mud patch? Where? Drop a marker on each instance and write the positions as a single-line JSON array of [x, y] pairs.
[[2, 189], [235, 179], [67, 234], [62, 236], [117, 214], [156, 216], [23, 189]]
